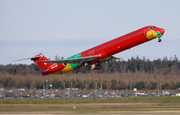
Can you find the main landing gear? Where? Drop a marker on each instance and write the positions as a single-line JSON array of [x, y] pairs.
[[90, 66], [98, 66]]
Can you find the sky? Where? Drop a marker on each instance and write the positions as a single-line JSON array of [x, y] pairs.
[[68, 27]]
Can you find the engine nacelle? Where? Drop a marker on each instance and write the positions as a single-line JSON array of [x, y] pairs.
[[93, 66]]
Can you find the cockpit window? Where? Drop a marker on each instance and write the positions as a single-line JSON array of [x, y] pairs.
[[152, 27]]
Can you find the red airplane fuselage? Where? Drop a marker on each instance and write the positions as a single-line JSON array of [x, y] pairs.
[[105, 50]]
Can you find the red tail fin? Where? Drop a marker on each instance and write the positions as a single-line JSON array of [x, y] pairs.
[[41, 57]]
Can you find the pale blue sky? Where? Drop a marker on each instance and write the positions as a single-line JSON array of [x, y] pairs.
[[67, 27]]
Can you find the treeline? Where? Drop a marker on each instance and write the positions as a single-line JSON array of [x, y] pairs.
[[114, 81], [115, 75], [164, 66], [20, 69]]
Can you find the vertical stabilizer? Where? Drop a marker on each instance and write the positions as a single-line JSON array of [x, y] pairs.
[[41, 57]]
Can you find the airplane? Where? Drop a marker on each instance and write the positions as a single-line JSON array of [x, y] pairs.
[[93, 57]]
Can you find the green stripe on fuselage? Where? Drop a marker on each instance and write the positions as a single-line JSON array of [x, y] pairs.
[[159, 34], [73, 65]]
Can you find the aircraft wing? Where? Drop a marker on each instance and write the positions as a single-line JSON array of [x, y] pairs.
[[110, 58], [74, 60]]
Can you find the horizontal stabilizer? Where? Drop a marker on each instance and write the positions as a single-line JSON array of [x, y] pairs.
[[28, 58], [74, 60]]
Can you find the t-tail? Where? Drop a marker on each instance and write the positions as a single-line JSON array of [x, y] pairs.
[[40, 57], [48, 68]]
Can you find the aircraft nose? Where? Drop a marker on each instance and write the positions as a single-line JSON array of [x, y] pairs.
[[162, 31]]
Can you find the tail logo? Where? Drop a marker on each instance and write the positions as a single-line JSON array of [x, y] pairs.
[[151, 34]]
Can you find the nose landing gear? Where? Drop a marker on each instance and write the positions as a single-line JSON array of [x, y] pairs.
[[159, 40]]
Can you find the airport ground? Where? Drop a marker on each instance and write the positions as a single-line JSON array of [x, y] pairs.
[[91, 114], [92, 105]]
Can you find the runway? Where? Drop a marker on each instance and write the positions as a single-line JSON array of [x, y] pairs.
[[90, 114]]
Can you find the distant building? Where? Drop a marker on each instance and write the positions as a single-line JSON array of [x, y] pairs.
[[73, 89], [1, 92], [178, 94], [18, 89]]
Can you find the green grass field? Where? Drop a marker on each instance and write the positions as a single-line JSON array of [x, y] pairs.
[[91, 105]]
